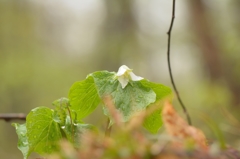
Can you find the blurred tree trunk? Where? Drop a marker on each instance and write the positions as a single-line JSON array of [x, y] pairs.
[[207, 43], [219, 68], [118, 36]]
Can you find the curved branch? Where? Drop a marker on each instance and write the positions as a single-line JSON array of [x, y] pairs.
[[169, 64]]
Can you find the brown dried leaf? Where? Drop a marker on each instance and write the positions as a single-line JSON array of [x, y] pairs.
[[179, 129]]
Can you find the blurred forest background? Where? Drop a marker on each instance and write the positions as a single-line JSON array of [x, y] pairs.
[[45, 46]]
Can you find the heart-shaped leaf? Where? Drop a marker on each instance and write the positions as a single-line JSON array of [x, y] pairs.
[[154, 120], [84, 97], [133, 98], [43, 132]]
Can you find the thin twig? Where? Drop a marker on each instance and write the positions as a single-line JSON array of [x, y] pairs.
[[169, 65], [12, 116]]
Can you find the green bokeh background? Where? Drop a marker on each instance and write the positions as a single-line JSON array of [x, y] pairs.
[[45, 46]]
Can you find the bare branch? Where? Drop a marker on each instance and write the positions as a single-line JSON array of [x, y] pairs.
[[12, 116], [169, 64]]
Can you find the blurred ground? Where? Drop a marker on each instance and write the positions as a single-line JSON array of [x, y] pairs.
[[45, 46]]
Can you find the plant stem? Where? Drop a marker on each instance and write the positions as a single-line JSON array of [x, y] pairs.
[[71, 124], [108, 129], [169, 64]]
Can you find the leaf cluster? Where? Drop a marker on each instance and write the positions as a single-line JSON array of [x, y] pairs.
[[45, 127]]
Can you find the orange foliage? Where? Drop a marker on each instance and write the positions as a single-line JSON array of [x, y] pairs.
[[180, 131]]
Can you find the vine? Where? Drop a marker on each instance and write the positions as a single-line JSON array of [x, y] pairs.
[[169, 64]]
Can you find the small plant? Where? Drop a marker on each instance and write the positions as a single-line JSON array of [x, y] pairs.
[[129, 94]]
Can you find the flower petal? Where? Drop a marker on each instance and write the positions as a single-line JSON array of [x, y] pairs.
[[122, 70], [125, 74], [134, 77], [123, 81]]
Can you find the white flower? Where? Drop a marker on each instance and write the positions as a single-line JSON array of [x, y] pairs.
[[125, 74]]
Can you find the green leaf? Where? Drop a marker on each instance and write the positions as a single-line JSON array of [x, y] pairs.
[[83, 97], [60, 113], [70, 130], [81, 128], [42, 131], [133, 98], [62, 102], [73, 131], [154, 121], [23, 145], [161, 90]]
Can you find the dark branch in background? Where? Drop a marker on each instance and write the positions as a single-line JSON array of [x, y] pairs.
[[169, 65], [12, 116]]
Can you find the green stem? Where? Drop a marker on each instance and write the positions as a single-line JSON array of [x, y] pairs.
[[71, 124], [108, 129]]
